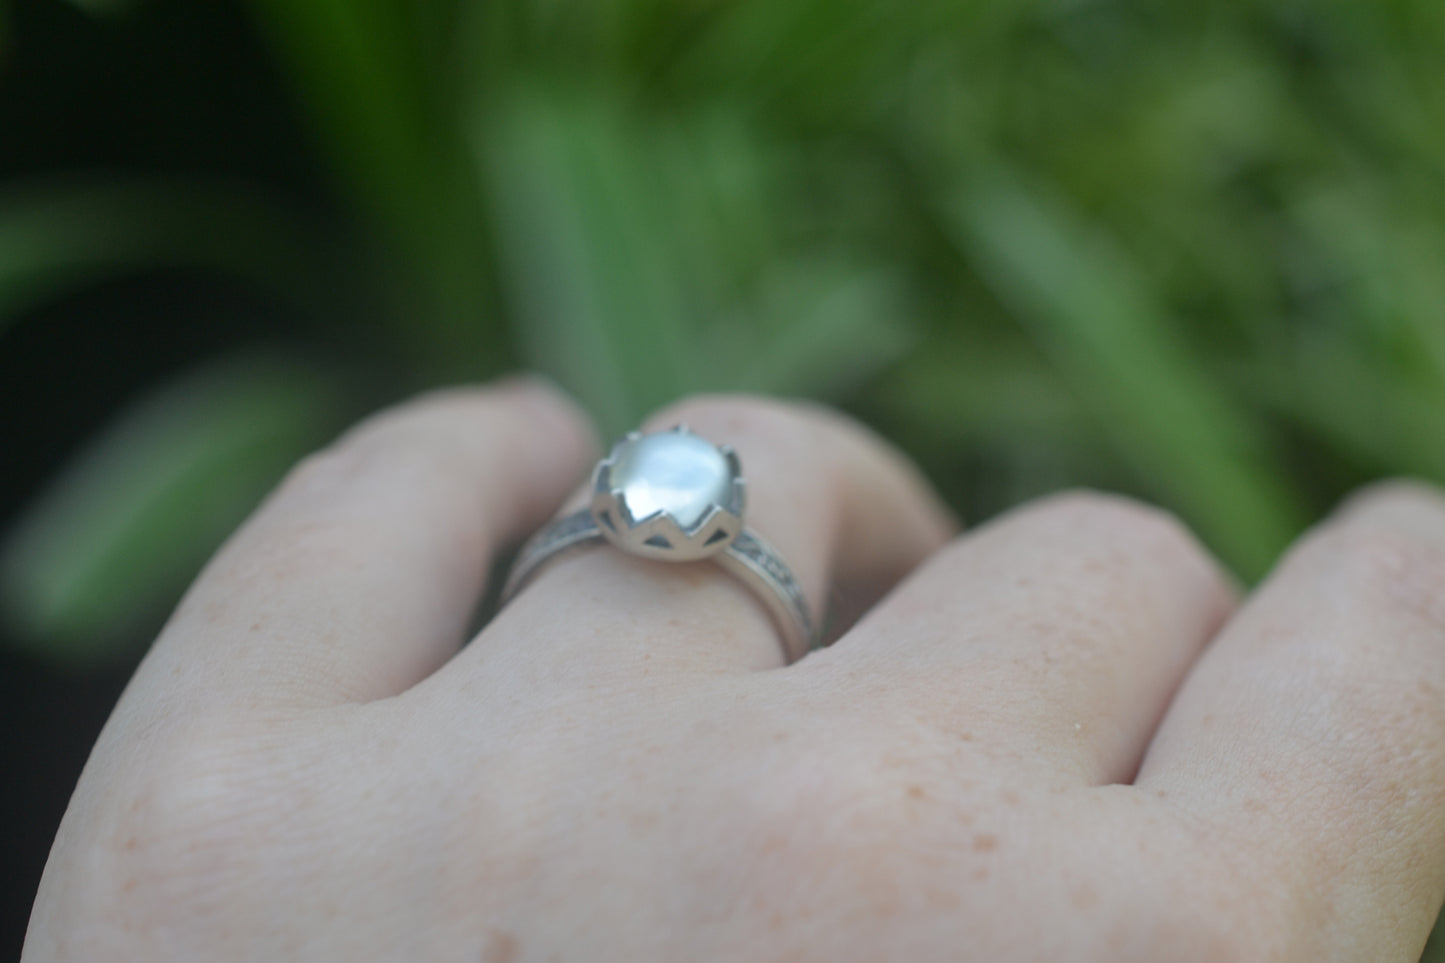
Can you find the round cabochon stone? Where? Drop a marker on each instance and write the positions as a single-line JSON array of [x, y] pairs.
[[673, 472]]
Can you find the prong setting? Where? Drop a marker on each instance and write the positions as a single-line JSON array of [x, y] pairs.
[[711, 509]]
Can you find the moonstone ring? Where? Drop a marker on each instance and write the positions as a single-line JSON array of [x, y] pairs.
[[676, 497]]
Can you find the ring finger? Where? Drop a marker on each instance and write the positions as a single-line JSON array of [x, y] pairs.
[[1055, 634], [837, 504]]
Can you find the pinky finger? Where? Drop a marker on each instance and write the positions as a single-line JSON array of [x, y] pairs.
[[1312, 734]]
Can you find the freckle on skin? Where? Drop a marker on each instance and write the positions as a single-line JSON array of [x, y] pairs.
[[501, 948], [965, 737], [916, 792], [255, 626], [981, 874], [693, 578], [1011, 797], [1161, 794], [985, 843]]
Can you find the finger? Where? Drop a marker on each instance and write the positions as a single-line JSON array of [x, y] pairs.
[[831, 498], [358, 575], [1056, 633], [1313, 732]]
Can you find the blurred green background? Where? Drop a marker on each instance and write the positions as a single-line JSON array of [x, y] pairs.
[[1193, 252]]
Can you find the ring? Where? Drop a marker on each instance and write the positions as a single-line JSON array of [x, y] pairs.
[[676, 497]]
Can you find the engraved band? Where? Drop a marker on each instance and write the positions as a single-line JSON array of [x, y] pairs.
[[748, 558]]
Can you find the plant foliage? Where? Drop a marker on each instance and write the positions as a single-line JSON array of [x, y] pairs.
[[1187, 251]]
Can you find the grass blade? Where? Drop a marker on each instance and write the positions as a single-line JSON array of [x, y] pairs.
[[58, 235], [1093, 315], [112, 542]]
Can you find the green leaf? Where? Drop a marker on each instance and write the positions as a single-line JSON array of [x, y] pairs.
[[1435, 950], [1388, 265], [614, 258], [105, 8], [964, 392], [1388, 421], [828, 327], [825, 62], [57, 236], [557, 292], [643, 260], [126, 524], [376, 77], [1095, 316]]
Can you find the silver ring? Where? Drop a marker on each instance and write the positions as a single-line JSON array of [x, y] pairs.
[[676, 497]]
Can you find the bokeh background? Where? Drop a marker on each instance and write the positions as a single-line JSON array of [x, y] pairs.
[[1190, 251]]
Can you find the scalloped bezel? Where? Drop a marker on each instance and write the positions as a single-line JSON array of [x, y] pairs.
[[660, 535]]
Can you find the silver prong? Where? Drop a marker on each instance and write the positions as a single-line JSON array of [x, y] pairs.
[[707, 519]]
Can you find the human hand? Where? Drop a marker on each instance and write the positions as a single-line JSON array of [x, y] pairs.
[[1024, 752]]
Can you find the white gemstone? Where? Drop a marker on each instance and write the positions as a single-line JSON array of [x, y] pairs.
[[671, 472]]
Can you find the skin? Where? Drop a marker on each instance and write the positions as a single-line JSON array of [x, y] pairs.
[[1056, 738]]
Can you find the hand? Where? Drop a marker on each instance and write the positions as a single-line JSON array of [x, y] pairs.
[[1024, 752]]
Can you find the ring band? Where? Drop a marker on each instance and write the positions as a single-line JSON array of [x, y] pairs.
[[690, 499], [749, 559]]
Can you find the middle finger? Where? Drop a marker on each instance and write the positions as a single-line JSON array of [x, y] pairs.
[[1058, 632]]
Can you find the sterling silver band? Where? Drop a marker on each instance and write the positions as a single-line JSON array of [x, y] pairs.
[[748, 558]]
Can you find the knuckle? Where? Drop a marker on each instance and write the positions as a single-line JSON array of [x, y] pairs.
[[1397, 497], [1121, 521], [410, 454], [319, 474], [1387, 568], [442, 436], [454, 419]]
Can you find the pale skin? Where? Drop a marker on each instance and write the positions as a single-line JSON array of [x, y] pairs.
[[1058, 737]]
